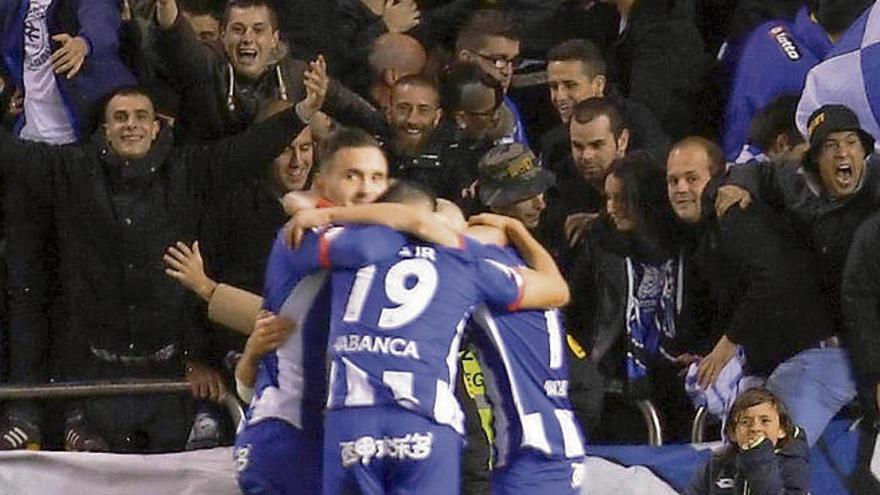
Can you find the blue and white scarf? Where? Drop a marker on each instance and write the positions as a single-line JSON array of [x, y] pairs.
[[654, 296]]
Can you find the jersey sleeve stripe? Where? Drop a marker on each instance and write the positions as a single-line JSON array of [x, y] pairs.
[[520, 289], [324, 251]]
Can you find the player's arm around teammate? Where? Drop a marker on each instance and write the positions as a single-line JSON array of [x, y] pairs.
[[418, 222], [269, 332], [544, 286]]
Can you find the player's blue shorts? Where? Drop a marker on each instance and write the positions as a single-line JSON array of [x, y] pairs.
[[274, 457], [389, 450], [531, 472]]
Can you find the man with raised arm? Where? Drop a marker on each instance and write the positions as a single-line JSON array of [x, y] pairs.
[[127, 194], [226, 90]]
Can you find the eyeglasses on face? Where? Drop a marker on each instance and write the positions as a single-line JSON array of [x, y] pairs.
[[498, 61]]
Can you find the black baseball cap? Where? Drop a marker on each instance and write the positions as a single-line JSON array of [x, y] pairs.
[[510, 173], [833, 118]]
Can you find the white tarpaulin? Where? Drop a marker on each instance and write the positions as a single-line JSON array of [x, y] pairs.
[[603, 477], [213, 472], [624, 470], [875, 461], [48, 473]]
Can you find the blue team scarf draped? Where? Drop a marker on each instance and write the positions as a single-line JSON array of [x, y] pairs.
[[653, 300]]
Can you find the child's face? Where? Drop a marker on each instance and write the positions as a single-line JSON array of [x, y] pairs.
[[757, 421]]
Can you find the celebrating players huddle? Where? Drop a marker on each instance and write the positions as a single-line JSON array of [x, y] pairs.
[[380, 295]]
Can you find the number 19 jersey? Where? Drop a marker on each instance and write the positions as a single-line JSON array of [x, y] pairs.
[[396, 326], [291, 381]]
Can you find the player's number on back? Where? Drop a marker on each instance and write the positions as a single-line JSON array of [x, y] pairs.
[[409, 284]]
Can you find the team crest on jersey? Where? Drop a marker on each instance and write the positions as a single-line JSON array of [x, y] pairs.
[[577, 474], [782, 37], [242, 456]]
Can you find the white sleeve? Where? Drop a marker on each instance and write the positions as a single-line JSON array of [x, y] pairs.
[[808, 104], [245, 392]]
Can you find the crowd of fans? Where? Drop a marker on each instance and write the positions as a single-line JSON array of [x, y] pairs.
[[707, 195]]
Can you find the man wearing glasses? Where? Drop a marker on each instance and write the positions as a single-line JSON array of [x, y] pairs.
[[473, 102], [489, 41]]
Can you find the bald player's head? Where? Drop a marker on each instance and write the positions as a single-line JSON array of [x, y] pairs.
[[396, 55]]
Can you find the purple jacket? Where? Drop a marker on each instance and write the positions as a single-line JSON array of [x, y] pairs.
[[103, 71]]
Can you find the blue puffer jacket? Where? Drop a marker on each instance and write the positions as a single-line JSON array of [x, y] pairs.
[[762, 470], [774, 61], [103, 71]]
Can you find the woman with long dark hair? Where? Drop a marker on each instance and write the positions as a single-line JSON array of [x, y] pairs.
[[626, 291]]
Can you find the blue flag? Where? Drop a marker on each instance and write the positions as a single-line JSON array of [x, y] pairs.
[[850, 75]]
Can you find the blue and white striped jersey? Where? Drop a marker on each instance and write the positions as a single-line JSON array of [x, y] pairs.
[[525, 368], [396, 326], [849, 76], [291, 381]]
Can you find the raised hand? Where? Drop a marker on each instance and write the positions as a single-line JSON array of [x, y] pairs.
[[316, 82], [400, 16], [166, 13]]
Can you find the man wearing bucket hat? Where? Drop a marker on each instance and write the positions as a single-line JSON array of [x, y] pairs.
[[827, 196], [512, 183]]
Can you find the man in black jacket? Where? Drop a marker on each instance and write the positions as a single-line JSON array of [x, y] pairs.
[[860, 296], [119, 201], [827, 195], [765, 277], [861, 310], [576, 72], [825, 199], [225, 91], [598, 135], [661, 62]]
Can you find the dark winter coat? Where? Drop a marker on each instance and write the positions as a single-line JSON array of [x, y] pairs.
[[661, 63], [825, 225], [767, 282], [115, 219], [596, 316], [203, 72], [861, 306], [762, 470]]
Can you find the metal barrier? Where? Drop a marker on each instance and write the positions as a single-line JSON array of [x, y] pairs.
[[109, 389], [230, 401], [698, 428], [652, 420]]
